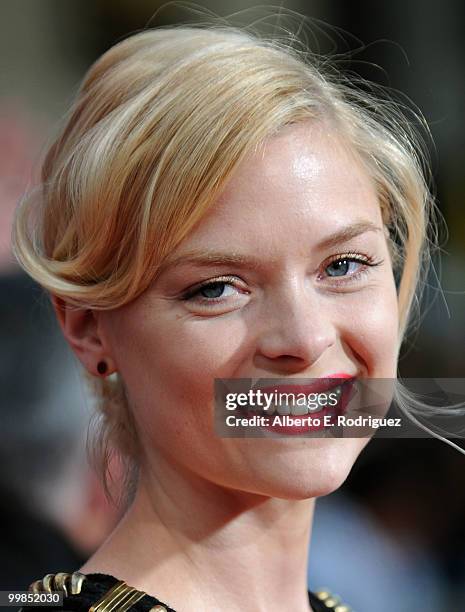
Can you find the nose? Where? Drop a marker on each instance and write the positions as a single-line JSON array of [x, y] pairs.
[[296, 328]]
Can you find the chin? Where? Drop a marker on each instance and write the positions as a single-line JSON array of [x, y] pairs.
[[315, 472]]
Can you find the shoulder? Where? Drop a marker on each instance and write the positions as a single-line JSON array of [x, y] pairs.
[[86, 592]]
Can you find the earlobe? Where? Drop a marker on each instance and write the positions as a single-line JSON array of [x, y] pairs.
[[80, 329]]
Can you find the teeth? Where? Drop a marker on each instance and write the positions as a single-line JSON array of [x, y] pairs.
[[287, 406], [299, 409], [271, 409]]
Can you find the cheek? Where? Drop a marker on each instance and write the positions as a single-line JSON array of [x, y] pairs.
[[371, 329], [170, 363], [169, 367]]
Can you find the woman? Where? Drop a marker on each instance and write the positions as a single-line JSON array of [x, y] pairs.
[[220, 206]]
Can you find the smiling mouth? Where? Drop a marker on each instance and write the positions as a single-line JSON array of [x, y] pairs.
[[288, 404]]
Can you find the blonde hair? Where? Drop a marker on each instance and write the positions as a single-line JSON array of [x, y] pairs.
[[160, 122]]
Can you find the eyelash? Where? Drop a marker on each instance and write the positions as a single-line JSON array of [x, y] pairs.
[[369, 262]]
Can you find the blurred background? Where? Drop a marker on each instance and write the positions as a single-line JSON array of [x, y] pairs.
[[393, 537]]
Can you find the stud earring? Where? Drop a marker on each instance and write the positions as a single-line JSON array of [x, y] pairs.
[[102, 367]]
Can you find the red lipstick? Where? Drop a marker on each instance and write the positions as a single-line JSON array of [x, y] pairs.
[[323, 418]]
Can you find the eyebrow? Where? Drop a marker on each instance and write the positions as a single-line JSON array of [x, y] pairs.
[[204, 258]]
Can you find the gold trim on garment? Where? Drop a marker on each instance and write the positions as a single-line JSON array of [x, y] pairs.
[[70, 584], [332, 601], [120, 597]]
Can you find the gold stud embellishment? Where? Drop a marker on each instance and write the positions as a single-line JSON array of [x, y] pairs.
[[36, 586], [158, 608], [68, 583], [120, 597], [48, 582], [60, 582], [332, 600], [323, 594], [76, 582]]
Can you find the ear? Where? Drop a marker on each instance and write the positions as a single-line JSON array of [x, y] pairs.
[[80, 327]]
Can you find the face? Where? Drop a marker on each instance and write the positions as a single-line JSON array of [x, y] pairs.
[[296, 310]]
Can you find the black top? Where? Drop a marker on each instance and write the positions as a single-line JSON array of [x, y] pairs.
[[95, 587]]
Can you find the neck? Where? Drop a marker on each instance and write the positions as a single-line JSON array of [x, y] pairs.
[[235, 551]]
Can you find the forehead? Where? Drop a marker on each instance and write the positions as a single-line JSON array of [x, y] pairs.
[[305, 179]]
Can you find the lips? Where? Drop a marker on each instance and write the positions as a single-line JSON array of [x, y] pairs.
[[293, 424], [320, 385]]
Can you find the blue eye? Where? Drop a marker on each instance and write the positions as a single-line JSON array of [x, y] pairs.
[[340, 267], [349, 267], [211, 291]]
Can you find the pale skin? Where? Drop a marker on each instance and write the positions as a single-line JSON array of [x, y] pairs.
[[225, 523]]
